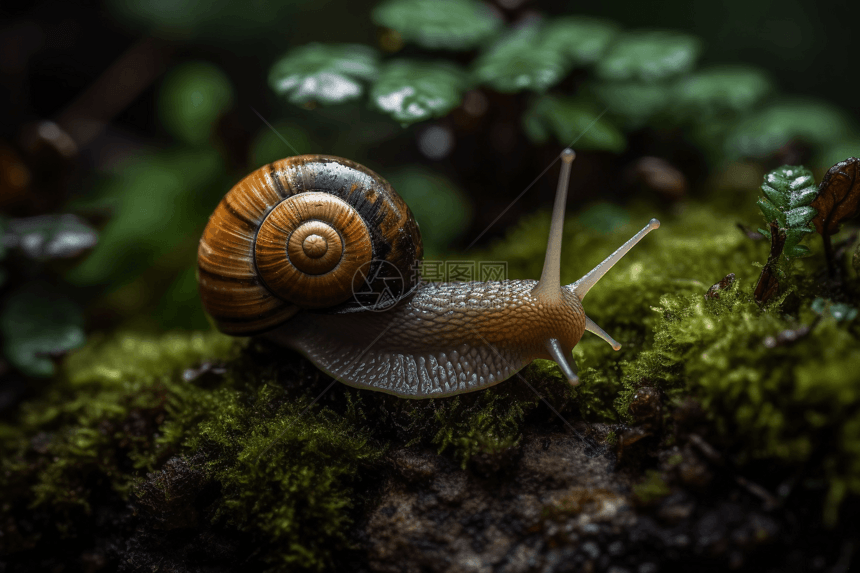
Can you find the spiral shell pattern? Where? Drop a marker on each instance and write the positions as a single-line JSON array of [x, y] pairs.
[[303, 233]]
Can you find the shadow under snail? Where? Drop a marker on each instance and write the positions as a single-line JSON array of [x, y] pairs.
[[321, 254]]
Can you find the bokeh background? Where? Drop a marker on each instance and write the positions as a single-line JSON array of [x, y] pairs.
[[125, 122]]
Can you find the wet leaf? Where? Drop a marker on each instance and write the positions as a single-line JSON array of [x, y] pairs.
[[649, 56], [583, 40], [412, 91], [719, 90], [324, 73], [788, 191], [521, 60], [37, 323], [447, 24], [767, 130], [569, 119], [838, 196], [50, 236], [192, 98]]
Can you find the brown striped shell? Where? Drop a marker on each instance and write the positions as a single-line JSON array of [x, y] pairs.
[[305, 232]]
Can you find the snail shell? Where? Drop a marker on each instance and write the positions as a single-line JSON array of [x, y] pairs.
[[305, 233]]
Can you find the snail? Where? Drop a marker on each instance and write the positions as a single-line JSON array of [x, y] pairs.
[[320, 254]]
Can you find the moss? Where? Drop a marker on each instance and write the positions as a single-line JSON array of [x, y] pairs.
[[123, 407], [285, 472], [798, 404], [490, 427], [97, 424]]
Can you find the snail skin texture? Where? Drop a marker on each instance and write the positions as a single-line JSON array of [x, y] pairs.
[[320, 254]]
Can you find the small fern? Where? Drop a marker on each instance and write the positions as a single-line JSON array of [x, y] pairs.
[[788, 191]]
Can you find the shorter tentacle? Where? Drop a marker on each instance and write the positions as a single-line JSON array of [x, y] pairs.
[[591, 327], [560, 356]]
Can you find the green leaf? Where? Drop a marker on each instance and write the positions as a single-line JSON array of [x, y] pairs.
[[769, 129], [635, 102], [775, 196], [447, 24], [192, 98], [570, 119], [39, 322], [521, 61], [649, 56], [786, 189], [771, 212], [324, 73], [725, 89], [412, 91], [583, 40]]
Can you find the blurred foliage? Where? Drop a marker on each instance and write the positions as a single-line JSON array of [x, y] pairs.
[[324, 73], [521, 60], [435, 24], [572, 120], [193, 96], [39, 322], [440, 207]]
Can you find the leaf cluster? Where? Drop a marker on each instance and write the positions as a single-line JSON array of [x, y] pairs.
[[631, 79], [788, 192]]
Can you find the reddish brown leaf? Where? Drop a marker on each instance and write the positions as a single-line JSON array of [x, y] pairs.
[[838, 196], [714, 291]]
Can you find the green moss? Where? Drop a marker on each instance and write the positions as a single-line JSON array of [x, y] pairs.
[[490, 426], [285, 471], [784, 403], [85, 430], [123, 408]]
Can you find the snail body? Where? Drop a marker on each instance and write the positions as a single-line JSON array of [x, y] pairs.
[[320, 254]]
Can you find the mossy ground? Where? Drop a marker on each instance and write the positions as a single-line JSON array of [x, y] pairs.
[[127, 416]]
